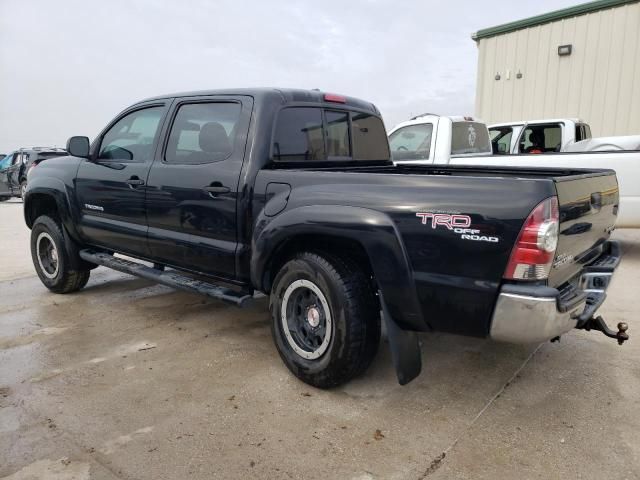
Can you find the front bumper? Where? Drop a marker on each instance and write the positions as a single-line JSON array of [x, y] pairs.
[[530, 314]]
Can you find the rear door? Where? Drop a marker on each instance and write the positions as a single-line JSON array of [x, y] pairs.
[[193, 184], [5, 189], [13, 172], [588, 207], [111, 187]]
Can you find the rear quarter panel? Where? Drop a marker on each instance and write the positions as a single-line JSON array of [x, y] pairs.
[[457, 280]]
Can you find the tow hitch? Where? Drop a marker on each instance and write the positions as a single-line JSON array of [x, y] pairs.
[[599, 324]]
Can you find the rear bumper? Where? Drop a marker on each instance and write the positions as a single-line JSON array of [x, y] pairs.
[[530, 314]]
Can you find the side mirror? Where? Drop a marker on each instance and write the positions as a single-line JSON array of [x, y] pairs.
[[78, 147]]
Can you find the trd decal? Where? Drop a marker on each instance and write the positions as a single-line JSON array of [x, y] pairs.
[[444, 219], [457, 223]]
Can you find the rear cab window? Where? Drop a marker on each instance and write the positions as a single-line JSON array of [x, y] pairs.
[[319, 134], [469, 138]]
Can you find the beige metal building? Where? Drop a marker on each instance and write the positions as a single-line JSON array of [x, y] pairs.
[[582, 61]]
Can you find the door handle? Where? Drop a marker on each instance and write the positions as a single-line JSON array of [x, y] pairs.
[[135, 182], [214, 190]]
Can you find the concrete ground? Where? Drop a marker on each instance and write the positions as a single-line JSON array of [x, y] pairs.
[[132, 380]]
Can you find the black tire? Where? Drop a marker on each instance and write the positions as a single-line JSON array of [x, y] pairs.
[[53, 258], [354, 334], [4, 199], [23, 187]]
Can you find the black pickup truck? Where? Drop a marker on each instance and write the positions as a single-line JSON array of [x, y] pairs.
[[292, 193]]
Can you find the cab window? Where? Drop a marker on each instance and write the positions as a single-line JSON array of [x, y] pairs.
[[412, 142], [469, 138], [132, 137], [541, 139], [299, 135], [501, 140], [203, 133], [305, 134]]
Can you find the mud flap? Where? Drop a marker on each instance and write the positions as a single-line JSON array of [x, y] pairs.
[[405, 348]]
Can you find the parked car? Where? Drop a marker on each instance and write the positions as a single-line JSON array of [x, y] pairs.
[[15, 166], [293, 193], [443, 152]]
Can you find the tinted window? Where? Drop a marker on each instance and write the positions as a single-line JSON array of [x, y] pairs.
[[369, 138], [203, 133], [299, 135], [469, 138], [412, 142], [132, 137], [337, 135]]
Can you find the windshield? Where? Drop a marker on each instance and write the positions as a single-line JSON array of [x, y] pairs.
[[412, 142]]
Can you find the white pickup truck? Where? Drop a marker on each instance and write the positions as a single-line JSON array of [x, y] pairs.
[[433, 139], [553, 135]]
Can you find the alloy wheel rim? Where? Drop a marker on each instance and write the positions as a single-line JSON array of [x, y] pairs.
[[47, 255], [306, 319]]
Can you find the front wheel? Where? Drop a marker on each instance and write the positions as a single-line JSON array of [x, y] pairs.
[[51, 258], [325, 319]]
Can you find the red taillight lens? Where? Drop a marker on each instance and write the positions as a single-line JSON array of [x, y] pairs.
[[533, 253]]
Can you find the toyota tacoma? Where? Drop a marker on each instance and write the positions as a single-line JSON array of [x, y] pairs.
[[292, 193]]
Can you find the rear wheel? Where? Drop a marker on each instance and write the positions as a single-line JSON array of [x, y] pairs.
[[325, 319], [4, 199], [52, 258]]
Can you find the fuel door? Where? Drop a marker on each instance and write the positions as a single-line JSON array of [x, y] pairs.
[[276, 198]]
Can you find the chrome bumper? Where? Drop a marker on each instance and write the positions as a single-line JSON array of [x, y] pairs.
[[525, 319], [530, 314]]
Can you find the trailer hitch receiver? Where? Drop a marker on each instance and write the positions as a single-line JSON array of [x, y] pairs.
[[599, 324]]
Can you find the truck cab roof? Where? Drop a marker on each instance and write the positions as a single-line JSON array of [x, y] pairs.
[[286, 95]]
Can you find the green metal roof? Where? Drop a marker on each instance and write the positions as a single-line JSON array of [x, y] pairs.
[[549, 17]]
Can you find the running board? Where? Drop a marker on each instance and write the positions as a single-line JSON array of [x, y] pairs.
[[169, 278]]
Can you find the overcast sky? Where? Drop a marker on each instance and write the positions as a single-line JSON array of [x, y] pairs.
[[68, 66]]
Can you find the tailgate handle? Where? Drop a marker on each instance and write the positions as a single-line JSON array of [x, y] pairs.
[[596, 200]]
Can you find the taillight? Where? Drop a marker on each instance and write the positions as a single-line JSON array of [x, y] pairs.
[[533, 253]]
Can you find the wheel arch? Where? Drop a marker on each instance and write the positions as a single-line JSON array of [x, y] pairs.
[[46, 195], [368, 236]]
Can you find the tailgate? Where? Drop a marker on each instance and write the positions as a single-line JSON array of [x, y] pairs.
[[588, 208]]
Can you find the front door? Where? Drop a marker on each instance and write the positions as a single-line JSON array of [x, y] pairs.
[[111, 186], [193, 186]]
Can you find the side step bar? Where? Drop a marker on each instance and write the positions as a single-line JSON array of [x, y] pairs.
[[169, 278]]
